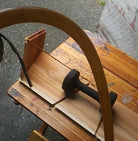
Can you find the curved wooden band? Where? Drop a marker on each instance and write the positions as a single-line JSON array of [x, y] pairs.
[[42, 15]]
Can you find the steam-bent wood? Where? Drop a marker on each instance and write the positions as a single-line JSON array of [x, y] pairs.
[[26, 14]]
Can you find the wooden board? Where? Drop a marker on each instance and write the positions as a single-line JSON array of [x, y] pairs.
[[33, 47], [82, 109], [58, 121], [44, 71], [47, 75]]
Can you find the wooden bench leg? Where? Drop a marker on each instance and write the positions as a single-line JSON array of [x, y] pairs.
[[43, 128], [38, 135]]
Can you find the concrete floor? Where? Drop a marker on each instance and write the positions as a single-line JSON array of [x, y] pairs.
[[85, 13]]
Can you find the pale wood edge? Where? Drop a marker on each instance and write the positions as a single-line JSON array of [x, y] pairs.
[[38, 92], [65, 111]]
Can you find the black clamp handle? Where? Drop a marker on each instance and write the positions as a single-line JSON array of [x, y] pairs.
[[72, 82]]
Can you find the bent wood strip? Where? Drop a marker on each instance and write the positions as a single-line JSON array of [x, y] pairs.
[[51, 116], [42, 15]]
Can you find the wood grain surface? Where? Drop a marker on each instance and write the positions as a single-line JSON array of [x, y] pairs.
[[83, 110], [125, 126], [33, 47], [47, 75]]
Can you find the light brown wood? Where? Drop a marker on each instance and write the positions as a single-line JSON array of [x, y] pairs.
[[47, 75], [83, 110], [47, 83], [42, 15], [36, 136], [58, 121]]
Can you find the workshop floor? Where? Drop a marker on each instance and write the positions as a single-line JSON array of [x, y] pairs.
[[86, 13]]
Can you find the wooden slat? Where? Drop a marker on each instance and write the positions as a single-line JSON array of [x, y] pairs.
[[127, 94], [110, 48], [82, 109], [36, 136], [47, 76], [73, 59], [125, 124], [58, 121], [43, 128]]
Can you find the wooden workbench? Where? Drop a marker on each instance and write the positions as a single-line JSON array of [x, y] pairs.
[[121, 73]]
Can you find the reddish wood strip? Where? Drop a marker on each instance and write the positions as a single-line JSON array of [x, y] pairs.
[[125, 124], [82, 109], [33, 46]]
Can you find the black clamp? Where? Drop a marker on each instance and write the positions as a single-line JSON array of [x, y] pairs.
[[72, 82]]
